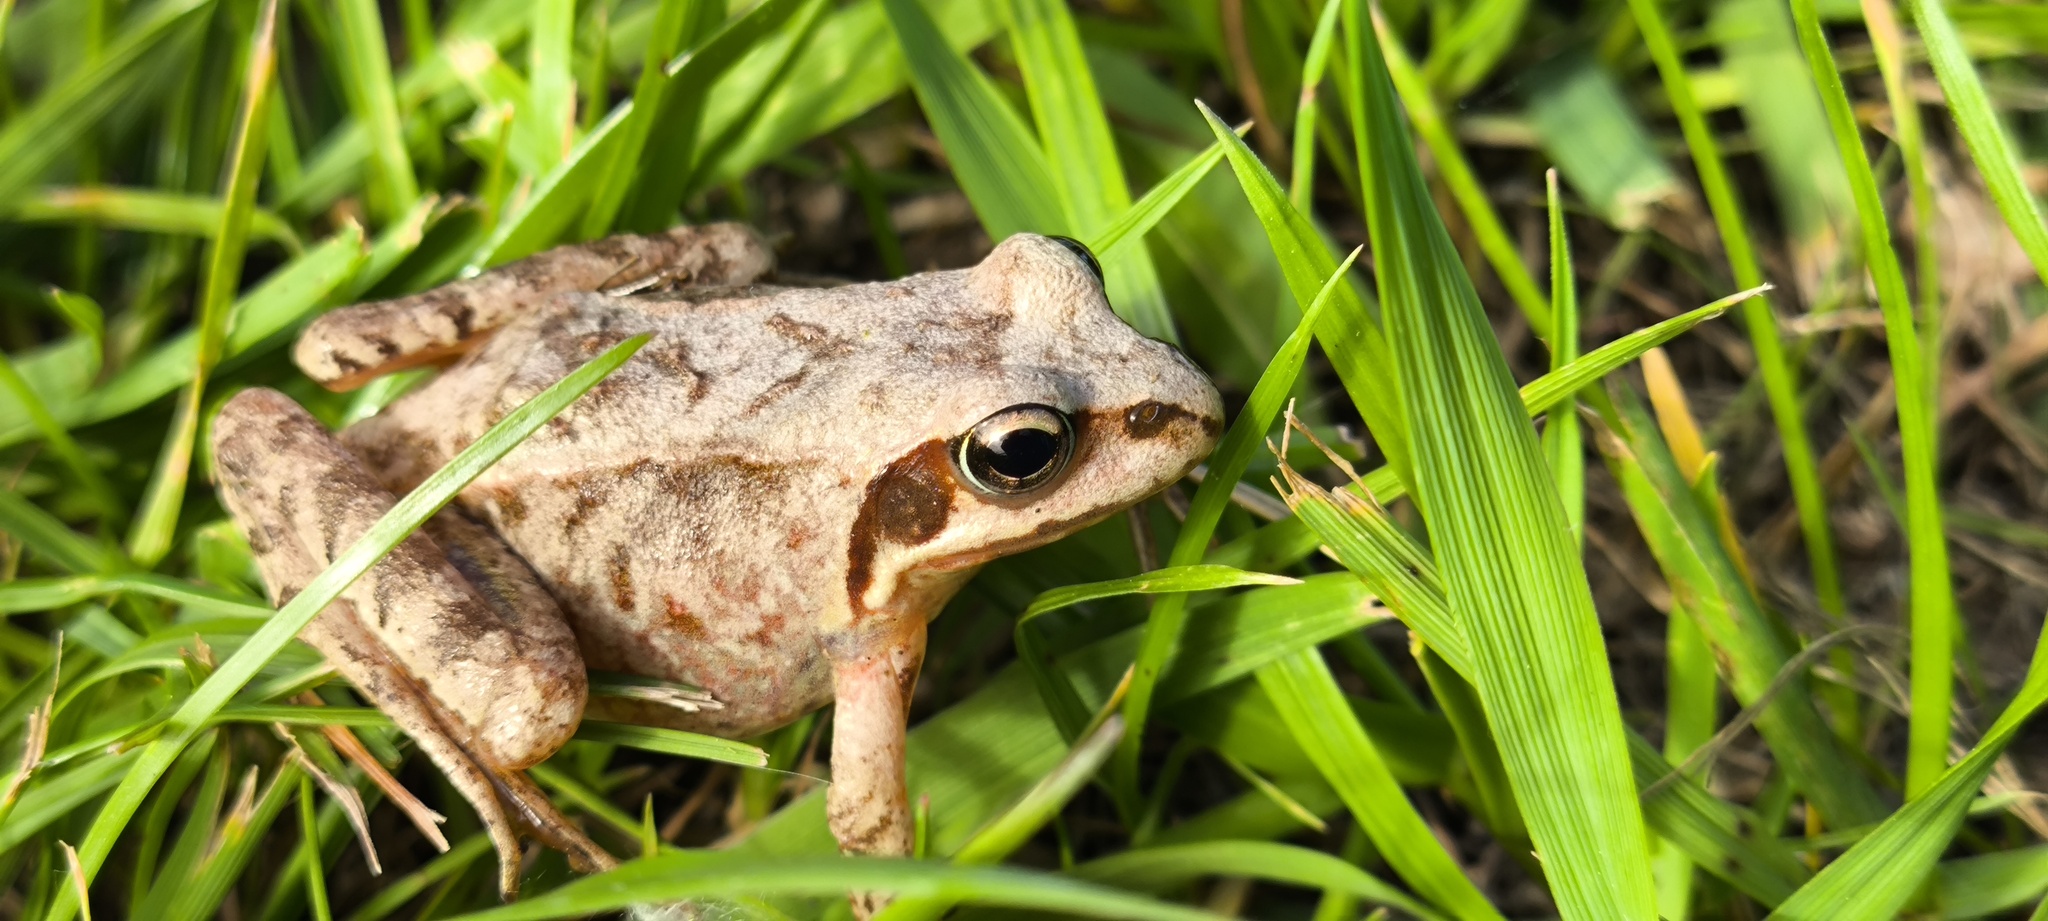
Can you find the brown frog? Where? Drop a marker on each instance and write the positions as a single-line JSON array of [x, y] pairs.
[[768, 502]]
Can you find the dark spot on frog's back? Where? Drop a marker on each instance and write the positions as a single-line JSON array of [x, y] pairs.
[[510, 502], [622, 578], [684, 623], [1152, 418], [815, 339]]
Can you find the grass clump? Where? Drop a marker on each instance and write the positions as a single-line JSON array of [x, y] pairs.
[[1712, 638]]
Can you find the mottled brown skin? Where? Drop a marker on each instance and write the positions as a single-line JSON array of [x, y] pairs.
[[765, 502]]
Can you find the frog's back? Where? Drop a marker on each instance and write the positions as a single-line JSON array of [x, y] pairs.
[[667, 509]]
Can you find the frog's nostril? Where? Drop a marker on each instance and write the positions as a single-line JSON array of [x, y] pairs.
[[1153, 418]]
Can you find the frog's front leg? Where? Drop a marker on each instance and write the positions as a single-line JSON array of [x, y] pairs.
[[868, 805], [450, 634]]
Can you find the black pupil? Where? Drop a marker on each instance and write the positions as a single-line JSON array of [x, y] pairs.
[[1021, 453]]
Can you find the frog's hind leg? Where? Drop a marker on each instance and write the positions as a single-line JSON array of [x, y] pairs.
[[449, 634], [345, 348]]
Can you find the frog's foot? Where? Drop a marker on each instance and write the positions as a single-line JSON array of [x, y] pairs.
[[450, 634], [345, 348]]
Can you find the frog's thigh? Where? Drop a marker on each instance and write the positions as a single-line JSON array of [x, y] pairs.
[[345, 348], [460, 648]]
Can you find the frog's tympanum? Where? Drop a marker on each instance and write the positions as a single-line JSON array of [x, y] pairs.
[[768, 502]]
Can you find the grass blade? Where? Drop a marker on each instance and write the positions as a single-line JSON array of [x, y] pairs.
[[1309, 701], [374, 102], [1301, 178], [1085, 165], [1514, 579], [1989, 147], [1932, 608], [1226, 466], [35, 138], [1143, 215], [672, 18], [1563, 445], [157, 520], [1156, 868], [1457, 176], [1351, 337], [1781, 385], [999, 164], [694, 875], [1878, 876], [551, 86]]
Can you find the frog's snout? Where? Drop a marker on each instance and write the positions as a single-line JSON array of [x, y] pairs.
[[1178, 422]]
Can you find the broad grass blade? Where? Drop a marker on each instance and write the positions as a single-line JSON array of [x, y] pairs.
[[1514, 579]]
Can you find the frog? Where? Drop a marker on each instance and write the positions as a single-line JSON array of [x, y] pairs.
[[768, 502]]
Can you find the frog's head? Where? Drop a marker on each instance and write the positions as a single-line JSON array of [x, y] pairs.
[[1071, 417]]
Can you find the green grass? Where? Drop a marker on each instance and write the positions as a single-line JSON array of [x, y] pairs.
[[1203, 709]]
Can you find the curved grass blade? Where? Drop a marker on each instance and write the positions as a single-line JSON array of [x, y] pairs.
[[1144, 214], [146, 211], [1012, 828], [197, 711], [1290, 539], [59, 592], [1199, 577], [1351, 336]]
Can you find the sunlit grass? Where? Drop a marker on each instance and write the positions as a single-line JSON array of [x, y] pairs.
[[1241, 730]]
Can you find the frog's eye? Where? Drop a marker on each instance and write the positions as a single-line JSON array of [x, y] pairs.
[[1080, 249], [1016, 450]]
